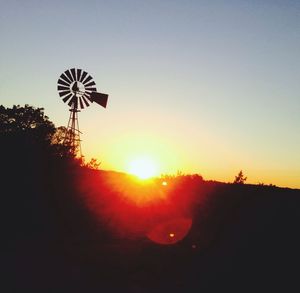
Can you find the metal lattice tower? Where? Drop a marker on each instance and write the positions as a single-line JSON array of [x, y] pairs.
[[72, 135]]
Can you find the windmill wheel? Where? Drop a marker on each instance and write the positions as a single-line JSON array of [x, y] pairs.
[[75, 87]]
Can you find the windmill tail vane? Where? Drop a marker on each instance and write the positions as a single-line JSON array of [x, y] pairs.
[[78, 89]]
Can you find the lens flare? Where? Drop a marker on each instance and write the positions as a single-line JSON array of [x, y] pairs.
[[171, 231]]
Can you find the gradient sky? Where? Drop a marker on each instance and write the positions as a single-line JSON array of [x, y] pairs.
[[207, 87]]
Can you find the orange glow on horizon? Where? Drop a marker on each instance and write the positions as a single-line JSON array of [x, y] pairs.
[[139, 191], [144, 155], [131, 206], [143, 167]]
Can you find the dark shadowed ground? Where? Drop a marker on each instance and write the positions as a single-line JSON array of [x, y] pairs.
[[69, 230]]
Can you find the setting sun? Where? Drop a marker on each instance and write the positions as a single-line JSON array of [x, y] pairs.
[[143, 168]]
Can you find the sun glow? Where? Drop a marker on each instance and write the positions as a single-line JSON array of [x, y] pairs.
[[143, 168]]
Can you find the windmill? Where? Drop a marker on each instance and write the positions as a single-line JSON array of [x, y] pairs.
[[78, 89]]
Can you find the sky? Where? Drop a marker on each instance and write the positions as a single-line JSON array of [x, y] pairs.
[[208, 87]]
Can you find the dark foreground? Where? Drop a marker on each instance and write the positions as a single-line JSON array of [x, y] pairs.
[[244, 238], [66, 228]]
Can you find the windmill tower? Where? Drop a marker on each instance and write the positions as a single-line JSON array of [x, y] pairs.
[[78, 89]]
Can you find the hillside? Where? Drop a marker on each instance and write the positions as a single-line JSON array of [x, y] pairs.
[[69, 228], [60, 238]]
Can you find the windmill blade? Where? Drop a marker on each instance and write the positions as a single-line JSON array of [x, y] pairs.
[[61, 82], [62, 88], [73, 72], [66, 98], [73, 101], [91, 89], [75, 87], [68, 74], [81, 103], [87, 80], [65, 78], [88, 92], [86, 95], [84, 74], [90, 84], [85, 101], [78, 74], [99, 98], [63, 93]]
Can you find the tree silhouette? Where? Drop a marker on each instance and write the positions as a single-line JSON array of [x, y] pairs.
[[240, 178], [25, 134], [93, 164], [28, 131], [59, 135], [26, 120], [60, 148]]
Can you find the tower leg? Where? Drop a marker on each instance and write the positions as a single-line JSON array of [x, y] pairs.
[[72, 136]]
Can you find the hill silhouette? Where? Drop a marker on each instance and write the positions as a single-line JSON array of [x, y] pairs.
[[69, 228]]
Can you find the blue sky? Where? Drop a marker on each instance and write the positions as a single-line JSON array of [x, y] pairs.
[[214, 85]]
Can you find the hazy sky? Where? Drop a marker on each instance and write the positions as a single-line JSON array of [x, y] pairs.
[[203, 86]]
